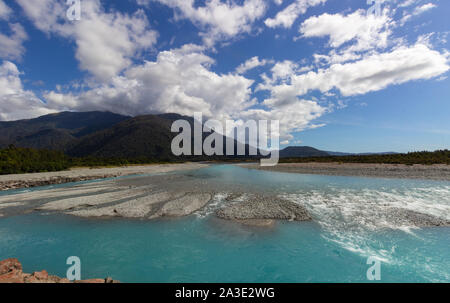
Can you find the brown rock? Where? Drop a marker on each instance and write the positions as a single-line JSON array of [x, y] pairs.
[[11, 272], [9, 265], [12, 277], [41, 275], [92, 281], [30, 279]]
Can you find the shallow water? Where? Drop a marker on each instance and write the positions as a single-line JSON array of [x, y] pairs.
[[350, 225]]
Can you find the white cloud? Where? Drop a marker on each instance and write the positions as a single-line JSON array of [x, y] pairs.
[[5, 11], [372, 73], [15, 102], [218, 20], [250, 64], [287, 16], [11, 46], [294, 117], [178, 81], [106, 41], [407, 3], [417, 11], [367, 31], [282, 70], [426, 7]]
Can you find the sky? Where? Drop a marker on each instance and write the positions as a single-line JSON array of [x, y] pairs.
[[339, 75]]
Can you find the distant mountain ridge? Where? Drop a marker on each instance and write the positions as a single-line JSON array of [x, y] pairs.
[[55, 131], [301, 152], [100, 134], [109, 135]]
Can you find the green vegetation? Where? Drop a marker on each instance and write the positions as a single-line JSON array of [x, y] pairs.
[[427, 158], [15, 160]]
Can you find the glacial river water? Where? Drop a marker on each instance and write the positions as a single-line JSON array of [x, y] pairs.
[[350, 225]]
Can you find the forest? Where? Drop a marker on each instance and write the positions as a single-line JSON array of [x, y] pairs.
[[16, 160], [423, 157]]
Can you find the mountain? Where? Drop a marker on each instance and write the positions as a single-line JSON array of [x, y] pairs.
[[360, 154], [55, 131], [331, 153], [301, 152], [108, 135], [144, 136], [100, 134]]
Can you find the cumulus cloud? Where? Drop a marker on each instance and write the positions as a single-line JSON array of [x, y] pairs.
[[407, 3], [294, 117], [11, 46], [367, 31], [250, 64], [182, 80], [288, 83], [5, 11], [372, 73], [15, 101], [218, 20], [178, 81], [417, 11], [287, 16], [106, 41]]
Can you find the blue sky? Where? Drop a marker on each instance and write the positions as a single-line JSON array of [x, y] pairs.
[[336, 77]]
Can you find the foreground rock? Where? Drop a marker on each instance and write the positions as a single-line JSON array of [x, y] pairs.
[[8, 182], [263, 210], [412, 218], [439, 172], [11, 272]]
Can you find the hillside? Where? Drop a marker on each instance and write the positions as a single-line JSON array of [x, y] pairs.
[[55, 131], [424, 157], [143, 136], [301, 151], [100, 135]]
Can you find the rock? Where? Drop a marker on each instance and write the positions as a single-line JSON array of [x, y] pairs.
[[41, 275], [12, 277], [413, 218], [184, 205], [110, 280], [264, 208], [257, 222], [10, 265], [11, 272], [91, 281]]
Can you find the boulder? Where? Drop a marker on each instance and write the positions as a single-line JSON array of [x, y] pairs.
[[10, 265], [11, 272]]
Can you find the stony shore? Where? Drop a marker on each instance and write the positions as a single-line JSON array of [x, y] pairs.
[[11, 272], [260, 210], [182, 194], [440, 172], [17, 181]]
